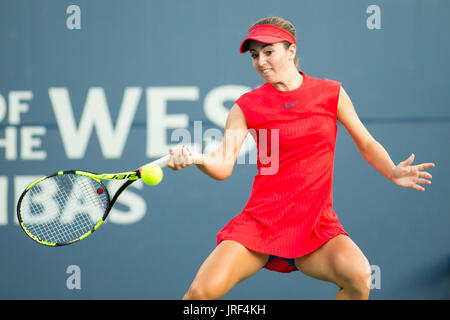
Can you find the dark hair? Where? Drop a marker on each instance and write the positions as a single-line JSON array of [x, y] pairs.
[[282, 23]]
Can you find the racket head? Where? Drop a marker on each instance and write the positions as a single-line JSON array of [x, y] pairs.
[[63, 208]]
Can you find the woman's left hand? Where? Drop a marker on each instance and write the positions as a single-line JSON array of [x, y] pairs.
[[408, 176]]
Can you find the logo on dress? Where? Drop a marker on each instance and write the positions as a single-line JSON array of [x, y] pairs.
[[290, 105]]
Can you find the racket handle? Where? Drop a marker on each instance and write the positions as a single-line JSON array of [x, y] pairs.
[[161, 162]]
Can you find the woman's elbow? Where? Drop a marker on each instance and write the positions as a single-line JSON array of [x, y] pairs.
[[223, 174]]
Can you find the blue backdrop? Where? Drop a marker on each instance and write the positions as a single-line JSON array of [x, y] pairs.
[[103, 86]]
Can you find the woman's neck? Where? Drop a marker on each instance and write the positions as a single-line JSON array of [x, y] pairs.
[[291, 82]]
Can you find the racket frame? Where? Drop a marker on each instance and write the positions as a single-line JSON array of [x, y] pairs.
[[130, 176]]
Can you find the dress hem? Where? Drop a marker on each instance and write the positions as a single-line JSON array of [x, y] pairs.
[[279, 264]]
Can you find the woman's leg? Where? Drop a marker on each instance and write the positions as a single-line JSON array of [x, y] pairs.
[[339, 261], [228, 264]]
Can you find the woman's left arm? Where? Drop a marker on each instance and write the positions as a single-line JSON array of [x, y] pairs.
[[402, 174]]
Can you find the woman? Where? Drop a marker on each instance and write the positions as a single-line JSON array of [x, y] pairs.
[[288, 223]]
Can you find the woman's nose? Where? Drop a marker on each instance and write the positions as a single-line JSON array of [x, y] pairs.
[[261, 61]]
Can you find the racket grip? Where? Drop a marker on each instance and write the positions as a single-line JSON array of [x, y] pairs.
[[161, 162]]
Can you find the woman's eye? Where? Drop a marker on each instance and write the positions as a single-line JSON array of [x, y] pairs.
[[254, 56], [268, 52]]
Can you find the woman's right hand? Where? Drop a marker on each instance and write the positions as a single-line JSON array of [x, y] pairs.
[[181, 157]]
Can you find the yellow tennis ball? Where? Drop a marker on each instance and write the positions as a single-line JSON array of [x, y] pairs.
[[151, 174]]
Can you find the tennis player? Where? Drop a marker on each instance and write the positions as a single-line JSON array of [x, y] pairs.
[[288, 223]]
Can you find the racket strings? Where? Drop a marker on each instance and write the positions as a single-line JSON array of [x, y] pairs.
[[63, 208]]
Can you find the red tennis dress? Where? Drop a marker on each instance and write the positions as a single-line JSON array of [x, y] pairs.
[[289, 213]]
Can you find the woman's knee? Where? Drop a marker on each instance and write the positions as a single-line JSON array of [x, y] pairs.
[[196, 293], [358, 279], [351, 270], [205, 291]]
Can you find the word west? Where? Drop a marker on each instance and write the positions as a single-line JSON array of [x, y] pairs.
[[24, 137], [95, 118]]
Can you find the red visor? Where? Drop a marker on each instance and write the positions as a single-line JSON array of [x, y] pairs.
[[267, 33]]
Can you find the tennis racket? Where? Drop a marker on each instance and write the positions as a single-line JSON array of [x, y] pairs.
[[68, 206]]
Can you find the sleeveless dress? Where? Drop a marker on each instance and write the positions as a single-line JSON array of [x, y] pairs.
[[289, 213]]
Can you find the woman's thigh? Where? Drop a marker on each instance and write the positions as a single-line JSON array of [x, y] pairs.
[[339, 261], [228, 264]]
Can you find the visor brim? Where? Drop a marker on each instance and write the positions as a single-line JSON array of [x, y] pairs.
[[260, 38]]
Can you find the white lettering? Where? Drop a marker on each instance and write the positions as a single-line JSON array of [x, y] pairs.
[[79, 202], [20, 184], [74, 280], [16, 107], [3, 201], [2, 108], [40, 199], [213, 139], [200, 310], [376, 277], [9, 142], [215, 110], [129, 208], [95, 114], [74, 20], [158, 121], [373, 21], [264, 146], [214, 105], [137, 206], [29, 142]]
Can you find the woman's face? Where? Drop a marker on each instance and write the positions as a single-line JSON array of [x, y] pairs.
[[272, 61]]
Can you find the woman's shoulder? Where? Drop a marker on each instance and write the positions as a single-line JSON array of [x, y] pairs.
[[258, 91], [252, 96], [323, 82]]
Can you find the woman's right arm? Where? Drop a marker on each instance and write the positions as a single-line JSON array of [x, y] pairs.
[[218, 164]]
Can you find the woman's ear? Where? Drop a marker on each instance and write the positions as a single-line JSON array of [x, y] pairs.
[[292, 51]]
